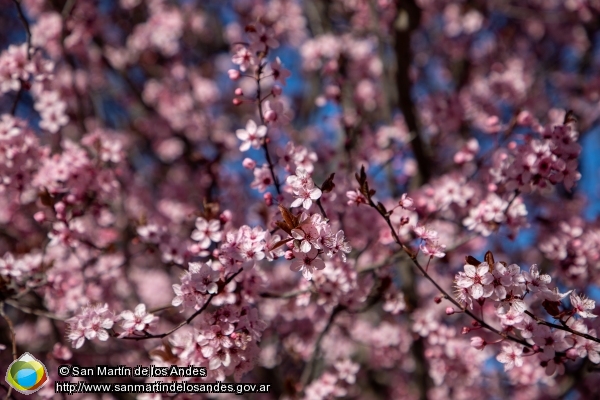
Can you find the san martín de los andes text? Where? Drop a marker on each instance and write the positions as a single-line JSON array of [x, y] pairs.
[[137, 371]]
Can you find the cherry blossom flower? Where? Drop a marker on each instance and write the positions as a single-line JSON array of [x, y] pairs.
[[91, 323], [433, 249], [347, 370], [9, 266], [262, 38], [477, 280], [406, 202], [536, 283], [425, 233], [303, 188], [207, 232], [251, 136], [307, 263], [196, 283], [581, 305], [280, 74], [137, 320], [308, 234], [355, 197], [305, 196], [550, 340], [262, 178], [244, 58], [510, 355], [590, 349]]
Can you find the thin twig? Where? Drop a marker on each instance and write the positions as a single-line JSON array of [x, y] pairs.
[[26, 25], [262, 120], [188, 320], [287, 295], [33, 311], [13, 108], [309, 369], [321, 208], [561, 327]]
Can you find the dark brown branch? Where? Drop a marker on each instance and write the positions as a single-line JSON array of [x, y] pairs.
[[309, 369], [25, 25], [407, 21], [562, 327], [262, 120]]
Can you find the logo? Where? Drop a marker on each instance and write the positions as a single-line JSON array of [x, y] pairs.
[[26, 374]]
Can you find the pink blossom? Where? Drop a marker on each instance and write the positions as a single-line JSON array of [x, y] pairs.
[[251, 136], [262, 38], [303, 188], [207, 232], [280, 74], [262, 178], [581, 305], [91, 323], [244, 58], [433, 249], [355, 197], [478, 343], [406, 202], [511, 355], [137, 320], [476, 279], [307, 263]]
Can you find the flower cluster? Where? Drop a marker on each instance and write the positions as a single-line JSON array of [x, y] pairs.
[[430, 245], [507, 287], [225, 342], [539, 163], [303, 188], [493, 211], [91, 323], [197, 283], [136, 321], [312, 235]]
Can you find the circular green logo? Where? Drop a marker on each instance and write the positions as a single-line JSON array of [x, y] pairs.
[[26, 374]]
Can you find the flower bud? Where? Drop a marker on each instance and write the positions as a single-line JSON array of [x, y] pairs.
[[225, 217], [234, 74], [236, 102], [478, 343], [39, 216], [249, 163], [449, 311], [406, 202], [437, 299], [270, 116], [465, 330], [268, 199], [59, 207], [289, 255], [239, 92]]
